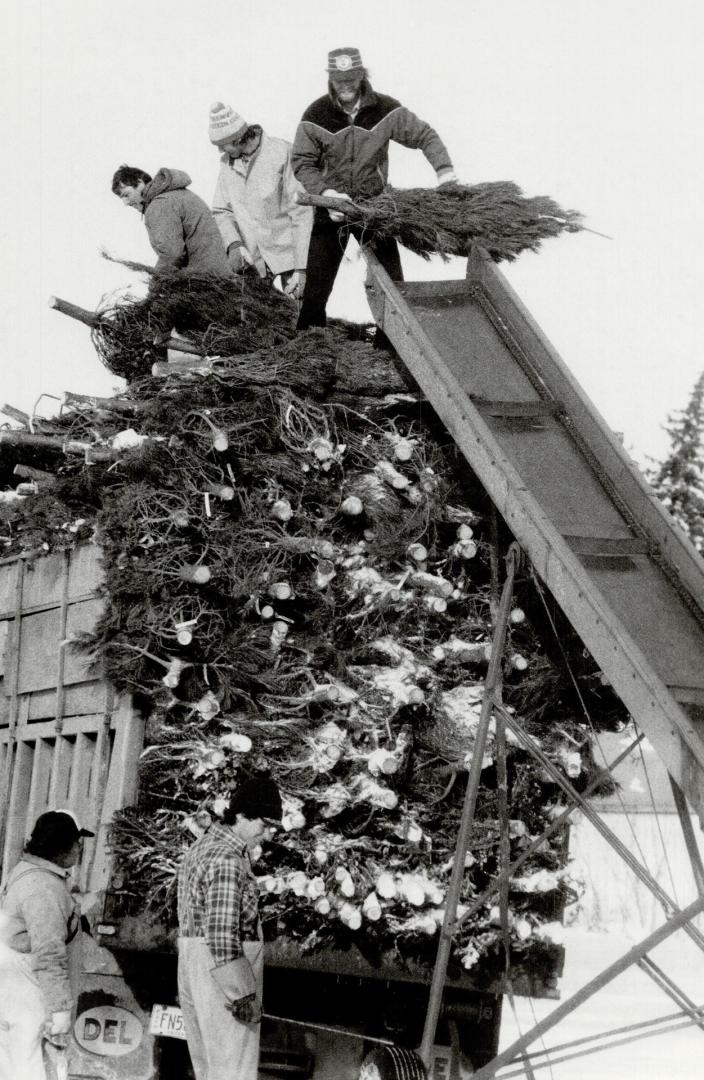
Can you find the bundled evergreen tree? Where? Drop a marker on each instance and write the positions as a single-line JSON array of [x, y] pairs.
[[679, 480], [298, 584]]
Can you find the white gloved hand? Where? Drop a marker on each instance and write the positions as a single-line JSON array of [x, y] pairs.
[[335, 215], [447, 176], [60, 1023], [295, 284]]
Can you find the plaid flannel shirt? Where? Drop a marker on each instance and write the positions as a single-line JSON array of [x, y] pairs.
[[218, 897]]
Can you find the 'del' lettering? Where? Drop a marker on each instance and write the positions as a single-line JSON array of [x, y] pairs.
[[91, 1029]]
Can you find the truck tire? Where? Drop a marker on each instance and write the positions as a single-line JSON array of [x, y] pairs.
[[392, 1063]]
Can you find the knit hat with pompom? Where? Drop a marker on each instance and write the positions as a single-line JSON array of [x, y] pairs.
[[225, 124]]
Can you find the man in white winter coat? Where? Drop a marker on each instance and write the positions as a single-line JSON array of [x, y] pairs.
[[256, 203]]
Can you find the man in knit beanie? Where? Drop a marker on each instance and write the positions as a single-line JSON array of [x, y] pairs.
[[220, 949], [256, 203]]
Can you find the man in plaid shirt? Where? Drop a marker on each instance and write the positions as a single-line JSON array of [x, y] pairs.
[[220, 949]]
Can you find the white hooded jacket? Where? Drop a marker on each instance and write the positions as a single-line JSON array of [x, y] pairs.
[[255, 205]]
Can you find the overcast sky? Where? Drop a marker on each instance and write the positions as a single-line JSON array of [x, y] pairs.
[[598, 103]]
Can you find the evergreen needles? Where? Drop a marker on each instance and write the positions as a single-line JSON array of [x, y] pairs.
[[297, 583], [450, 219], [220, 316]]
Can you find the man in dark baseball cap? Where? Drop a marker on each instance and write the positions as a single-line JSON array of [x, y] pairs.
[[56, 830], [41, 929]]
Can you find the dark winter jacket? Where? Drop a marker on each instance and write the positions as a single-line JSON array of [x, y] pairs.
[[331, 150], [181, 228]]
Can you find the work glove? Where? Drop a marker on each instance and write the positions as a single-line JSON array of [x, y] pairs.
[[239, 258], [247, 1009], [295, 284], [58, 1024], [447, 176], [335, 215]]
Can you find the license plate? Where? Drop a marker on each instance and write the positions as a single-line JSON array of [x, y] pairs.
[[167, 1020]]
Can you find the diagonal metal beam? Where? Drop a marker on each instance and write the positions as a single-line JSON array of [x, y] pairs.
[[638, 869], [601, 980], [539, 841], [654, 1028], [642, 1029], [669, 987], [464, 835], [689, 834]]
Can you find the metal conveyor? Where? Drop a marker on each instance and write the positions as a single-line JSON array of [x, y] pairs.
[[627, 578]]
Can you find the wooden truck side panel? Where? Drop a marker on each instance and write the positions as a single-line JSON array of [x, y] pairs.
[[66, 740]]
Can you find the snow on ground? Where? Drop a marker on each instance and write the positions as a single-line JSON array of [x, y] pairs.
[[632, 997], [615, 912]]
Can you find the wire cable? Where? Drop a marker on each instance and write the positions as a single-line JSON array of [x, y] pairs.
[[657, 820], [665, 1030], [595, 735]]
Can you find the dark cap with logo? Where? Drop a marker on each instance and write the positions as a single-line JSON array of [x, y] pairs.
[[344, 61]]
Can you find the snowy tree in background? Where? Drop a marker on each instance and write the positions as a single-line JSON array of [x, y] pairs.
[[679, 481]]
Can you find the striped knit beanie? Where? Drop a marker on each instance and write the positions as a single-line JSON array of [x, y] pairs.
[[225, 124]]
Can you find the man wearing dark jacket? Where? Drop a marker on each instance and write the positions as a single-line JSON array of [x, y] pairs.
[[341, 150], [181, 228]]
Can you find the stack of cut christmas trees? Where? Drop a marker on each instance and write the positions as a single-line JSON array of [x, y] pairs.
[[298, 583]]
